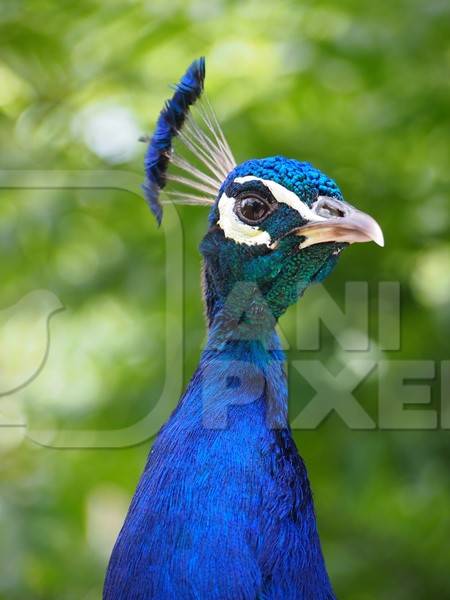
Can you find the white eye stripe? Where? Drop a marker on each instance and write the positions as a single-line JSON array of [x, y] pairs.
[[242, 233], [285, 196], [235, 229]]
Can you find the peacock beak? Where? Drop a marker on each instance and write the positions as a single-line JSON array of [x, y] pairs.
[[338, 221]]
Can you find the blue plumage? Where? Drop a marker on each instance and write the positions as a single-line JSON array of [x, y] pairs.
[[224, 509], [170, 121]]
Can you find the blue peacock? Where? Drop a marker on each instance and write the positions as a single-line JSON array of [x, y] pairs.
[[224, 510]]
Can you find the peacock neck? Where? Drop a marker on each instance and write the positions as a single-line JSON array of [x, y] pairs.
[[244, 391], [237, 309], [243, 354], [233, 420], [244, 363]]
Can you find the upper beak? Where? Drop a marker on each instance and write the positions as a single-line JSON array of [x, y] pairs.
[[338, 221]]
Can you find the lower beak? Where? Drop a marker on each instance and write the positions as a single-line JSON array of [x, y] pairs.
[[353, 226]]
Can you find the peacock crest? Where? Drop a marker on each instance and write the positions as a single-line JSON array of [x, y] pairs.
[[200, 135]]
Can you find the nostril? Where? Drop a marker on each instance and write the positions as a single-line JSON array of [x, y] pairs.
[[330, 211], [327, 208]]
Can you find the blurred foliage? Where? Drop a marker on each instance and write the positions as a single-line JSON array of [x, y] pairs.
[[358, 88]]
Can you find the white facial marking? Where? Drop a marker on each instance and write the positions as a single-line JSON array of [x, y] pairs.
[[284, 196], [242, 233], [235, 229]]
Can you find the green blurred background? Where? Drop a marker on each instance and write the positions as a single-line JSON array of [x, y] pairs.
[[360, 89]]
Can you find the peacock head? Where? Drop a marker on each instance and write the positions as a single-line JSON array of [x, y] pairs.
[[276, 224], [281, 224]]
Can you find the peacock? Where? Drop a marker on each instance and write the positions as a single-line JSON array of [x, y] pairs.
[[224, 509]]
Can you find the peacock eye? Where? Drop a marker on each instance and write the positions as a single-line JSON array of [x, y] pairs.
[[252, 209]]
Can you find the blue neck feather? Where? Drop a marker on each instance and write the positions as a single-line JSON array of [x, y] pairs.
[[224, 507]]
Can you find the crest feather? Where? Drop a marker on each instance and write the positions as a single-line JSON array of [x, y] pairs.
[[206, 143]]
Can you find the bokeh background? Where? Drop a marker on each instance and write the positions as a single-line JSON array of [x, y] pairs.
[[360, 89]]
